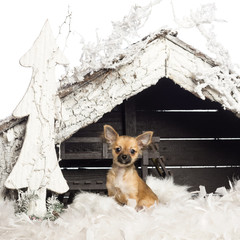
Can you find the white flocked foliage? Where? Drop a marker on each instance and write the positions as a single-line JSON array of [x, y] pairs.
[[37, 167]]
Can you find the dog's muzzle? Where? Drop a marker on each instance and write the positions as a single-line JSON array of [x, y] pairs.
[[124, 159]]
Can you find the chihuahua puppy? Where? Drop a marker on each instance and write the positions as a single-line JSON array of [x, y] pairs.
[[123, 181]]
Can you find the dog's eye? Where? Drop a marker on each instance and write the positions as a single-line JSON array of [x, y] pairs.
[[132, 151], [118, 150]]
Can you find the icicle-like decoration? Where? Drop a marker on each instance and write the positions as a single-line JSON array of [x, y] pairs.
[[225, 83]]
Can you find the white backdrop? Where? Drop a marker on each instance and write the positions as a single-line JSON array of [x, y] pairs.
[[21, 22]]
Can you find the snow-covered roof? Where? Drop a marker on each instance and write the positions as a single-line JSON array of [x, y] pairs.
[[156, 56]]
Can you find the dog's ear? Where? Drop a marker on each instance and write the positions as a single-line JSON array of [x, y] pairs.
[[110, 134], [144, 139]]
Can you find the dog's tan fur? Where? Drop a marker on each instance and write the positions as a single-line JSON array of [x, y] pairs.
[[123, 181]]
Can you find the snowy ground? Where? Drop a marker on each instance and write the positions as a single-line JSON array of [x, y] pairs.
[[91, 216]]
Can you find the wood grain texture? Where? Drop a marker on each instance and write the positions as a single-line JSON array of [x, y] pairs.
[[202, 153]]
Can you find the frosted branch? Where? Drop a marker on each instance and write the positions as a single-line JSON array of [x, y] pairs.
[[67, 22], [221, 78], [225, 83], [106, 53]]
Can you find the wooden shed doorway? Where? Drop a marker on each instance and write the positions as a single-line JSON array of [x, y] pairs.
[[199, 140]]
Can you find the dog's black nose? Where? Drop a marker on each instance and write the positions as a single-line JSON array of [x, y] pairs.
[[124, 159]]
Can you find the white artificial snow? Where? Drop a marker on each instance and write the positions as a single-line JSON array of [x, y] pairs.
[[177, 216]]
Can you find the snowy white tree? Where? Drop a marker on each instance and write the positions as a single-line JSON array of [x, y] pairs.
[[37, 167]]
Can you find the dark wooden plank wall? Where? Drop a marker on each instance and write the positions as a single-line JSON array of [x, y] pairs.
[[194, 134], [190, 140]]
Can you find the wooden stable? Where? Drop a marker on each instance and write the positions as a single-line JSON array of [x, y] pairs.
[[198, 139], [154, 86]]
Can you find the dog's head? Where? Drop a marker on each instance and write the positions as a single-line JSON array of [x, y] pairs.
[[126, 149]]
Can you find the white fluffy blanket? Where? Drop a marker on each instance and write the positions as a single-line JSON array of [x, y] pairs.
[[92, 216]]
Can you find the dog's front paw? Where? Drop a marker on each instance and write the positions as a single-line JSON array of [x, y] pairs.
[[139, 208]]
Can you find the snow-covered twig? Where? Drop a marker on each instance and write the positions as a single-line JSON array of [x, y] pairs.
[[222, 77], [67, 21], [106, 53]]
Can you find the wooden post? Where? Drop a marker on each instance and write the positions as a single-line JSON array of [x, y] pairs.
[[144, 164], [130, 117], [105, 150]]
